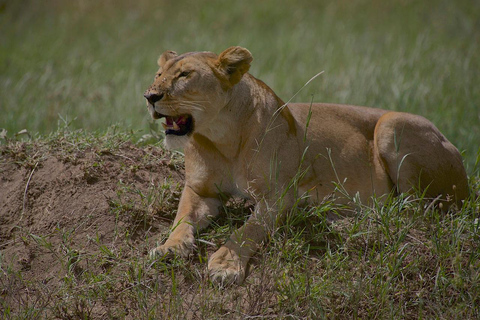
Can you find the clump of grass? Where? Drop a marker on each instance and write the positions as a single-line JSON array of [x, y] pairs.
[[396, 260], [141, 209]]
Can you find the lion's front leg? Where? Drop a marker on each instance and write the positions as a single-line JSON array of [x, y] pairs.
[[194, 212], [229, 263]]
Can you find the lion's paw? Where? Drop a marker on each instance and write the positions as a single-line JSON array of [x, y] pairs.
[[170, 250], [225, 268]]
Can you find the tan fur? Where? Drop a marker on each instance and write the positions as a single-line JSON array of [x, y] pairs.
[[247, 143]]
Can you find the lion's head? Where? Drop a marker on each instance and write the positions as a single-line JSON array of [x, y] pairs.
[[189, 90]]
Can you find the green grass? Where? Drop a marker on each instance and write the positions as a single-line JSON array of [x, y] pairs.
[[92, 60]]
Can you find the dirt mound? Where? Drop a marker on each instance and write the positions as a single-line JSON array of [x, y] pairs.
[[78, 214], [57, 203]]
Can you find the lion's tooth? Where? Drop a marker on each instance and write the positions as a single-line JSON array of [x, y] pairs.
[[165, 127], [175, 126]]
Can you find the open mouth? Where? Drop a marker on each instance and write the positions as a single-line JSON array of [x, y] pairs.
[[177, 125]]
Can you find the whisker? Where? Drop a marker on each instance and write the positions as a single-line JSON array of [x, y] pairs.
[[198, 105], [175, 105], [191, 106], [193, 102]]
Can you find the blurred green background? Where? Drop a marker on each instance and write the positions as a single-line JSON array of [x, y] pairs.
[[91, 60]]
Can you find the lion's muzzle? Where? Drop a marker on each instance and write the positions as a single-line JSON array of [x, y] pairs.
[[153, 97]]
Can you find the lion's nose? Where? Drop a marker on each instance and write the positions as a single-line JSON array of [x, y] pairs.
[[153, 97]]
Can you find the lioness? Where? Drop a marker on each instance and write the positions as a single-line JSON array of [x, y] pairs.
[[240, 139]]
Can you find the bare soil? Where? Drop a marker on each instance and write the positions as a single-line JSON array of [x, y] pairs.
[[56, 203]]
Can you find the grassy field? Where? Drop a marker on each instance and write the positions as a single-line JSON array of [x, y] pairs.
[[73, 73], [92, 60]]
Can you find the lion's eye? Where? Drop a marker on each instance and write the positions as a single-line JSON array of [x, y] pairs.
[[184, 74]]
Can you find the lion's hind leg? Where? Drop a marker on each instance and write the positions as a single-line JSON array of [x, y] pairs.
[[417, 156]]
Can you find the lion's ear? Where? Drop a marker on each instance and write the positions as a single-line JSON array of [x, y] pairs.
[[167, 55], [234, 62]]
